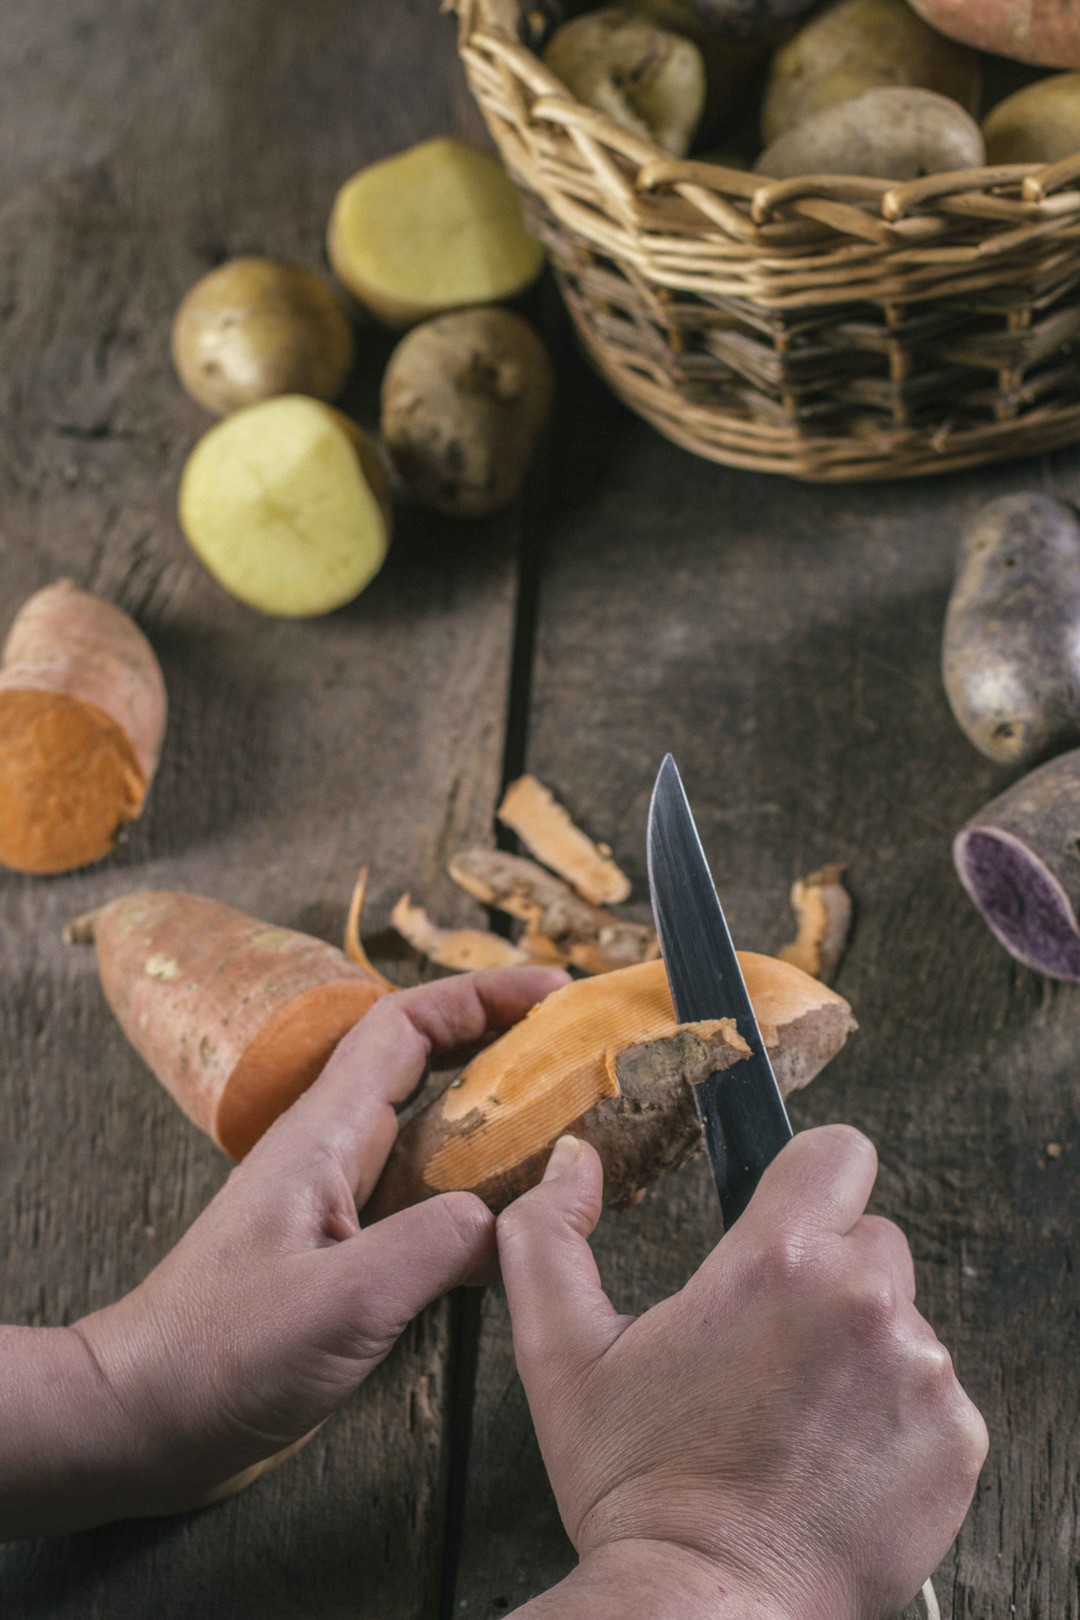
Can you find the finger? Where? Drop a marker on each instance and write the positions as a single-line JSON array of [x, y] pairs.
[[821, 1182], [882, 1249], [389, 1272], [558, 1307], [349, 1111]]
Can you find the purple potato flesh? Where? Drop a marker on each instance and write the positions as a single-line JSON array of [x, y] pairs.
[[1019, 860]]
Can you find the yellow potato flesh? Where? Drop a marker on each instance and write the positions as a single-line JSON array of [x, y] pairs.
[[274, 502], [437, 228]]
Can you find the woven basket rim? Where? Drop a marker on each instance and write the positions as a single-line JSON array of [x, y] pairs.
[[481, 26]]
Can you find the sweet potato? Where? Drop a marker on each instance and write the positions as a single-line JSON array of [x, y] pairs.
[[603, 1058], [857, 45], [82, 718], [1011, 651], [435, 228], [463, 401], [234, 1016], [647, 79], [1039, 124], [254, 328], [287, 505], [894, 134], [1018, 860], [1046, 32]]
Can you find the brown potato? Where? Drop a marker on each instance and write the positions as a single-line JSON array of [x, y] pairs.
[[647, 79], [255, 328], [463, 400], [858, 45], [732, 66], [892, 134], [1046, 32], [1039, 124]]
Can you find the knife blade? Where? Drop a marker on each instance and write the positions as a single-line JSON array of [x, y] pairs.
[[742, 1112]]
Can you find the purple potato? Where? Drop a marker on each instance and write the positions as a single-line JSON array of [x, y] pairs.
[[1011, 656], [1019, 860], [743, 19]]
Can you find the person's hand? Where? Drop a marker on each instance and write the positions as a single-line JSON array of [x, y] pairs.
[[785, 1437], [276, 1304]]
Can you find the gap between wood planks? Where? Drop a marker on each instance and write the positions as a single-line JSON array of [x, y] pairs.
[[467, 1304]]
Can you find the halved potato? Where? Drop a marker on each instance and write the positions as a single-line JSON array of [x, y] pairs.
[[438, 227], [287, 506]]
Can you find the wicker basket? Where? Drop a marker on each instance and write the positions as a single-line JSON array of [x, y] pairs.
[[832, 328]]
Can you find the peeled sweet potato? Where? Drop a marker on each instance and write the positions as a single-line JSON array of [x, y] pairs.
[[234, 1016], [857, 45], [1046, 32], [1019, 860], [893, 134], [1011, 650], [82, 718], [606, 1059], [1039, 124]]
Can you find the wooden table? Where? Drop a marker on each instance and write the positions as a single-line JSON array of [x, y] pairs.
[[783, 641]]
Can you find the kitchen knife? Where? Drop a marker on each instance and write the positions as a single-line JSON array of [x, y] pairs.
[[742, 1112]]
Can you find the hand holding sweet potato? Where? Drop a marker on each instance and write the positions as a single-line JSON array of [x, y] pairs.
[[273, 1307]]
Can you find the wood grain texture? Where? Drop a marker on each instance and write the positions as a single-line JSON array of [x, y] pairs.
[[784, 644], [142, 143]]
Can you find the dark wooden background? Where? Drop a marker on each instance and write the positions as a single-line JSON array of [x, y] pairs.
[[782, 641]]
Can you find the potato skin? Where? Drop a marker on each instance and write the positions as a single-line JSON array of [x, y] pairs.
[[647, 79], [1039, 124], [893, 134], [1011, 652], [255, 328], [463, 400], [858, 45], [1046, 32]]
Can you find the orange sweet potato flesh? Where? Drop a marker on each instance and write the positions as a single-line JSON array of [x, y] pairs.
[[82, 716], [606, 1059], [234, 1016]]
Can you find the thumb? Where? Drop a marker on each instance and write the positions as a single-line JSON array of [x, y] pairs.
[[387, 1273], [560, 1313]]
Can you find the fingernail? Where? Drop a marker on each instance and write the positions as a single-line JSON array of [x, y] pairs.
[[564, 1155]]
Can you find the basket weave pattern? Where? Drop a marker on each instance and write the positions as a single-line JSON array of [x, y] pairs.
[[833, 328]]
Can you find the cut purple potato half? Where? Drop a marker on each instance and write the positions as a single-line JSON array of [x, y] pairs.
[[1019, 860]]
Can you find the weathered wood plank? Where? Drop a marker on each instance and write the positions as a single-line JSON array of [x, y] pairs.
[[784, 643], [142, 143]]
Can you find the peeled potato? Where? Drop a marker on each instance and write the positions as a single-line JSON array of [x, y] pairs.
[[647, 79], [287, 506], [1039, 124], [436, 228], [255, 328]]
